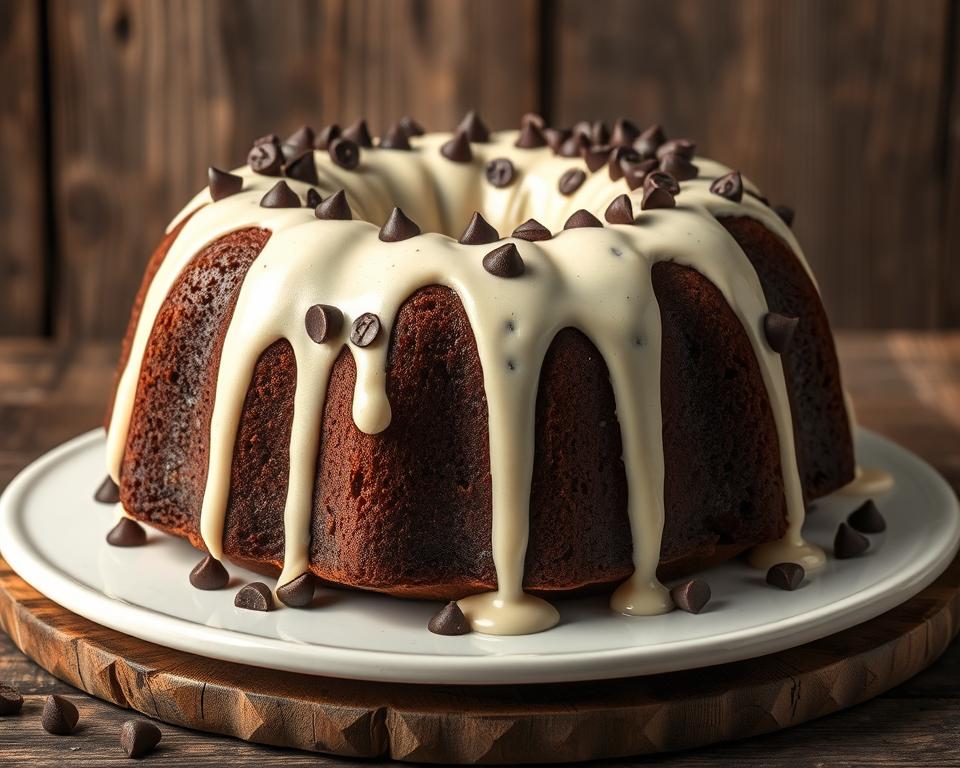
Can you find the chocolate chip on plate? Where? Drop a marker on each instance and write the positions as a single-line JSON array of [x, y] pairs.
[[848, 543], [867, 518], [127, 533], [450, 621], [299, 592], [255, 596], [691, 596], [209, 573], [108, 492], [786, 576]]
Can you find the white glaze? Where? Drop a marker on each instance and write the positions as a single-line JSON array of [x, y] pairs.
[[597, 280], [867, 481]]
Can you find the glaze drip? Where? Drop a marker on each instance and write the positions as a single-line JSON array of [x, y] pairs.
[[595, 279]]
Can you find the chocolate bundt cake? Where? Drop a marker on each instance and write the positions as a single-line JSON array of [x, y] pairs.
[[485, 367]]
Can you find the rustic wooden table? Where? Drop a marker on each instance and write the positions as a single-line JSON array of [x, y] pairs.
[[906, 385]]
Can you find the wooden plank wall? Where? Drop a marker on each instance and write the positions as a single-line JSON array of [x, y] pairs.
[[23, 267], [848, 111]]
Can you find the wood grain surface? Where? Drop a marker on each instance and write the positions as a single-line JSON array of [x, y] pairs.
[[23, 220], [907, 386], [849, 112]]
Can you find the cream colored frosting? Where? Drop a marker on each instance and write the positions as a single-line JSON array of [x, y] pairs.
[[867, 481], [597, 280]]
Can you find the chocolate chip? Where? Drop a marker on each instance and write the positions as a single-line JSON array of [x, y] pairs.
[[656, 197], [326, 136], [344, 153], [504, 261], [313, 198], [636, 173], [478, 232], [574, 146], [449, 621], [11, 702], [223, 184], [334, 207], [474, 128], [779, 329], [358, 133], [266, 158], [532, 118], [582, 218], [365, 329], [127, 533], [531, 137], [571, 180], [599, 133], [410, 126], [396, 138], [108, 492], [139, 737], [280, 196], [682, 147], [621, 159], [458, 148], [620, 211], [786, 576], [398, 227], [691, 596], [867, 518], [582, 128], [59, 716], [298, 142], [323, 322], [848, 543], [648, 141], [302, 168], [664, 180], [255, 596], [729, 185], [532, 230], [500, 172], [624, 133], [596, 157], [299, 592], [679, 167], [209, 574], [555, 138], [786, 213]]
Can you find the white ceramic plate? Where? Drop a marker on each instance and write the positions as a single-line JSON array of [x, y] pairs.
[[52, 534]]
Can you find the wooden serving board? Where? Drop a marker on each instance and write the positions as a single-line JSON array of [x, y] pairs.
[[486, 724]]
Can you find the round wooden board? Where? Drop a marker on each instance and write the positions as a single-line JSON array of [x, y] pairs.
[[486, 724]]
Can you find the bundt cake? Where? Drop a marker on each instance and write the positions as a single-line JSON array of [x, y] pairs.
[[487, 367]]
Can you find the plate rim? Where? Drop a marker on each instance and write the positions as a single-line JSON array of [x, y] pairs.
[[234, 645]]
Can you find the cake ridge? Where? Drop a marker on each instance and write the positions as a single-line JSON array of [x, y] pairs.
[[343, 264]]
